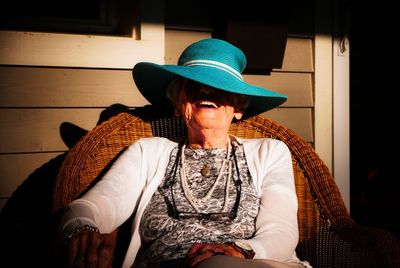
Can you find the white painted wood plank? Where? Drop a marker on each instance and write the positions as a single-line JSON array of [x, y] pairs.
[[49, 49], [297, 119], [59, 87], [297, 86], [176, 41], [38, 130], [298, 55]]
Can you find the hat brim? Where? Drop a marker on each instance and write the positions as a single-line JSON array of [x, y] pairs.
[[152, 80]]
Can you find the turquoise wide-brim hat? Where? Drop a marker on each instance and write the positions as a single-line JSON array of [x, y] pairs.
[[212, 62]]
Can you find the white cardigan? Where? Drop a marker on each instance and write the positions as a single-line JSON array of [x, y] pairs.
[[131, 181]]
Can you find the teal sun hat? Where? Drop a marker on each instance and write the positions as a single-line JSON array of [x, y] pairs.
[[212, 62]]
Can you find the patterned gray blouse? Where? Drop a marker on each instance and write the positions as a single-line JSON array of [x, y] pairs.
[[171, 224]]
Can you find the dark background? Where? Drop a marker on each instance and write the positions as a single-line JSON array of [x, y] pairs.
[[374, 86]]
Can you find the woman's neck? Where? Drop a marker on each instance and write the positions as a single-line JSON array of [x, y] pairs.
[[207, 140]]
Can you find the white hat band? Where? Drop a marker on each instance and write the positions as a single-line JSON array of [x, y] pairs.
[[215, 64]]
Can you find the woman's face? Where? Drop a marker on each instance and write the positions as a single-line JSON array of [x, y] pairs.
[[206, 108]]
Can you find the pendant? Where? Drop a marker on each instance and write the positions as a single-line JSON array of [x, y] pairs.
[[205, 171]]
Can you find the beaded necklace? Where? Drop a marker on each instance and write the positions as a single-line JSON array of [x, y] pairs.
[[195, 202]]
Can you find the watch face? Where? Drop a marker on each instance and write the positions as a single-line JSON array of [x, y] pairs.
[[243, 245]]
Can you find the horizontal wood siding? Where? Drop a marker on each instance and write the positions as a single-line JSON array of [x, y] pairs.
[[298, 55], [65, 87], [15, 169], [298, 119], [297, 86], [38, 130], [176, 41], [36, 101]]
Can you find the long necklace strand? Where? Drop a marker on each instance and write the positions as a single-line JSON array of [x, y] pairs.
[[228, 180], [194, 201]]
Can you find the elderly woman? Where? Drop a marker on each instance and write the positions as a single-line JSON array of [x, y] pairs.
[[210, 199]]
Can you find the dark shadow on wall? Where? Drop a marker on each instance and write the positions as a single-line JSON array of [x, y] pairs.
[[26, 220]]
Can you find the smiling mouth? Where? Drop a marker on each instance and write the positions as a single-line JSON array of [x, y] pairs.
[[207, 104]]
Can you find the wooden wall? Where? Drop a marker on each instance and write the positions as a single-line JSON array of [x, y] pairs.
[[35, 100]]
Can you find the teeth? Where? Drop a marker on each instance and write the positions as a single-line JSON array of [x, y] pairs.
[[208, 103]]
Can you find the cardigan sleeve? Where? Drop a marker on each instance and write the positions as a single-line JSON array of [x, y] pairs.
[[112, 200], [276, 234]]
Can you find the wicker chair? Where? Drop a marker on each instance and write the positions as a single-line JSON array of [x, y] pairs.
[[328, 235]]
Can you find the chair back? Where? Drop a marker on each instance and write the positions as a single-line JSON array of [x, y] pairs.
[[321, 207]]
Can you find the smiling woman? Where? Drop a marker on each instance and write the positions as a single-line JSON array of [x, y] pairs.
[[205, 109], [207, 198]]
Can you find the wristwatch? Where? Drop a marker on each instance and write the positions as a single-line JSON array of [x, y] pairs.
[[244, 248]]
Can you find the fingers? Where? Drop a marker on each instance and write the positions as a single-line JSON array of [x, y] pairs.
[[229, 250], [195, 247], [77, 249], [94, 242], [106, 250], [222, 249], [91, 249], [73, 245], [201, 256], [200, 252]]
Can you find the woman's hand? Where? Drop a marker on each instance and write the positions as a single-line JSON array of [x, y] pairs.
[[91, 249], [201, 251]]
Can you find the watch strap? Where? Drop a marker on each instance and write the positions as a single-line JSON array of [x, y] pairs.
[[243, 248]]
